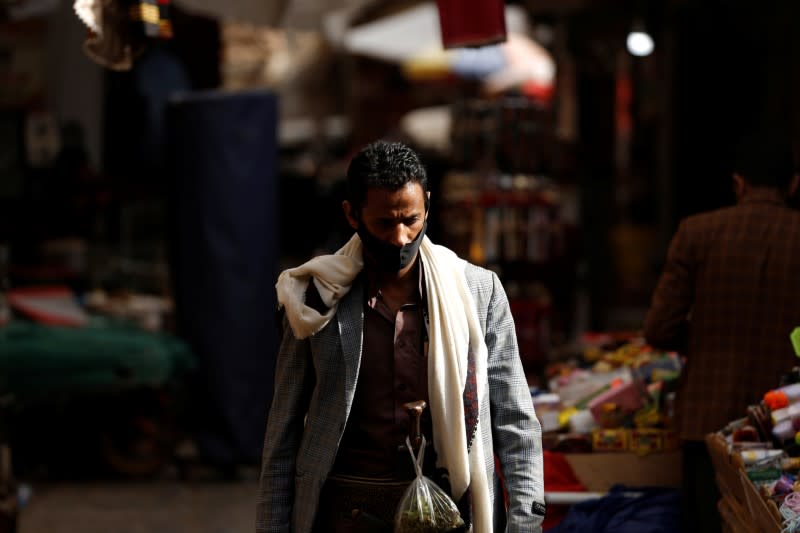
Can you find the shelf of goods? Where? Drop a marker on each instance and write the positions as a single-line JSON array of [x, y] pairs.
[[523, 227]]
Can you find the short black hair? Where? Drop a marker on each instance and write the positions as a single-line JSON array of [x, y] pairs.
[[383, 165], [765, 159]]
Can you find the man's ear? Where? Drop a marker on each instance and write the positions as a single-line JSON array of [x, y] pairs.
[[350, 214], [427, 203], [794, 185], [740, 186]]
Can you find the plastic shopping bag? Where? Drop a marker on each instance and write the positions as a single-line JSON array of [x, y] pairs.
[[424, 507]]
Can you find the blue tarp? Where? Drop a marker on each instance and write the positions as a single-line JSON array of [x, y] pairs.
[[626, 510]]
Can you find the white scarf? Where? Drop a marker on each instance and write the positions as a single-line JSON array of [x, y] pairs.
[[454, 331]]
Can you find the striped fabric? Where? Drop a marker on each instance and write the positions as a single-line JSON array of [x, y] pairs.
[[314, 385], [736, 273]]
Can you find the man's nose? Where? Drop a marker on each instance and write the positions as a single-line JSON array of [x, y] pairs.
[[400, 235]]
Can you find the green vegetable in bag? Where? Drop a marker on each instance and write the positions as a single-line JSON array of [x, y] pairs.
[[424, 507]]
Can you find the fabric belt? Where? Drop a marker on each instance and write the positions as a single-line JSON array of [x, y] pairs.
[[367, 499]]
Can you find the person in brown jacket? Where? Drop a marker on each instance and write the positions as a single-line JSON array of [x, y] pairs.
[[728, 298]]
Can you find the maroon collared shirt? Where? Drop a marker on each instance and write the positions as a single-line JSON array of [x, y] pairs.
[[394, 371]]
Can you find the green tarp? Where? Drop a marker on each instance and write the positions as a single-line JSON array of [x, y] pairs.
[[104, 355]]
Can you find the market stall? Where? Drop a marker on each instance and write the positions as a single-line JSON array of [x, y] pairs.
[[606, 418]]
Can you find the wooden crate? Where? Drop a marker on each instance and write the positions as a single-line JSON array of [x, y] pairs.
[[734, 516], [763, 512], [759, 512], [727, 473]]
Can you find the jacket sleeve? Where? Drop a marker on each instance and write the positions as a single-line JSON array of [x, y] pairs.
[[667, 322], [294, 382], [516, 432]]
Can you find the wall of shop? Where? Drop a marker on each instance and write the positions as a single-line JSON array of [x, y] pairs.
[[725, 77], [75, 86]]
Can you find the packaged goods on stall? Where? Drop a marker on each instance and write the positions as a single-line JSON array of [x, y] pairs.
[[610, 440], [626, 398], [783, 396], [620, 395], [614, 420], [547, 408]]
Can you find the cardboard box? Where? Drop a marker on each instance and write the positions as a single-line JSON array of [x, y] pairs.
[[610, 440], [600, 471], [639, 441], [646, 441]]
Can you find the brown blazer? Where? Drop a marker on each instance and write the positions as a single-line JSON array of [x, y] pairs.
[[731, 289]]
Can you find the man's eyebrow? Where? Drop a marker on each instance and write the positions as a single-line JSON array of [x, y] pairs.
[[401, 216]]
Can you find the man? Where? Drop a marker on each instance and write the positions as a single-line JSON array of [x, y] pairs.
[[728, 299], [390, 319]]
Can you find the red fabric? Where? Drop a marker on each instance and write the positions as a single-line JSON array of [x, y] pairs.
[[50, 305], [481, 24], [558, 477]]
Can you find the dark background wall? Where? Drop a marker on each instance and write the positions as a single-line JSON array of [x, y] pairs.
[[736, 70]]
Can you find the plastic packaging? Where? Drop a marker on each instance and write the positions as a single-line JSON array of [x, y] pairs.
[[795, 338], [784, 430], [424, 507], [782, 397], [756, 456], [582, 422], [786, 413]]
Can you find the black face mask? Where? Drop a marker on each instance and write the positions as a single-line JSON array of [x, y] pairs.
[[388, 257]]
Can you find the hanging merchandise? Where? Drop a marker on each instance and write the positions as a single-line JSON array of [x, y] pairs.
[[152, 16], [109, 41], [119, 30], [42, 139], [484, 23]]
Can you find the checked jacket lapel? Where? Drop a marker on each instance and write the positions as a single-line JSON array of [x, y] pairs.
[[350, 316]]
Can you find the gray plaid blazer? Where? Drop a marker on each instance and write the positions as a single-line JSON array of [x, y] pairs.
[[315, 380]]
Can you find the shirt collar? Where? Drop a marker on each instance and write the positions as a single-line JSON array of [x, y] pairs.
[[372, 291], [763, 195]]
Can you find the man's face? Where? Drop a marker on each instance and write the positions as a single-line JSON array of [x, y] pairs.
[[393, 217]]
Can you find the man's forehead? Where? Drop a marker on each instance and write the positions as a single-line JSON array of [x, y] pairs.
[[408, 192]]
